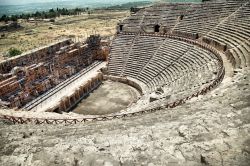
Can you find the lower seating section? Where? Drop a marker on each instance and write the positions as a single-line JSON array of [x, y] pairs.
[[182, 87], [175, 67], [189, 62]]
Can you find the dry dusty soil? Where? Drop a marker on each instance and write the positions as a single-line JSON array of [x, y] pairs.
[[35, 35], [109, 97]]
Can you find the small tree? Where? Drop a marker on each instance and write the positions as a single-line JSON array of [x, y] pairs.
[[14, 52], [4, 18], [13, 18]]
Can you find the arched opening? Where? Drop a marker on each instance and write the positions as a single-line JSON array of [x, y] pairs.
[[120, 27], [157, 28], [181, 17]]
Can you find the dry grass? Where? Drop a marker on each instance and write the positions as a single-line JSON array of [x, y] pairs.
[[99, 22]]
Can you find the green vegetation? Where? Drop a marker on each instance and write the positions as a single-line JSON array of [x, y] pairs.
[[52, 13], [129, 5], [13, 52]]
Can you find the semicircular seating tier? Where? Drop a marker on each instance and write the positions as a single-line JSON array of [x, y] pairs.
[[224, 25], [159, 64], [234, 32]]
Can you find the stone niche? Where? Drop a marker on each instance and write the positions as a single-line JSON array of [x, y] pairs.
[[127, 28], [186, 35], [216, 44], [155, 28]]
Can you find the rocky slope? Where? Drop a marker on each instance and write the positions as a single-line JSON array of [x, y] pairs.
[[210, 130]]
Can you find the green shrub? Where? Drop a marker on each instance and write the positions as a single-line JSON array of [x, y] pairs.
[[14, 52]]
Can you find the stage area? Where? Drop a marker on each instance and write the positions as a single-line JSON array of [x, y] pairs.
[[110, 97]]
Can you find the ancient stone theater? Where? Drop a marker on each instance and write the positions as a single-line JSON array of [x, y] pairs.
[[185, 70]]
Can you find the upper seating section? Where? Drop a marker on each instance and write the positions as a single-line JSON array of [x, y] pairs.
[[234, 33], [222, 24], [165, 15], [193, 18], [207, 16]]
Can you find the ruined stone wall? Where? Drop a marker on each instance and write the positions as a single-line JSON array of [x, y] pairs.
[[68, 102], [32, 74], [33, 56]]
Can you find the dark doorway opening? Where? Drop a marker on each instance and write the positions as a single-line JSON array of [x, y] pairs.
[[57, 110], [181, 17], [121, 27], [157, 28]]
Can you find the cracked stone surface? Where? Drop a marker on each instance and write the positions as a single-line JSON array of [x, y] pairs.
[[209, 130]]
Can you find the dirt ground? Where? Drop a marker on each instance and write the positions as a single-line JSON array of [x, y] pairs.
[[110, 97], [34, 35]]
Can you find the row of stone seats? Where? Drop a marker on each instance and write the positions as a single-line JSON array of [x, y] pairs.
[[241, 54], [159, 61], [189, 62], [207, 16], [120, 47], [167, 53], [172, 17], [143, 49], [164, 14], [187, 84], [180, 88], [133, 23], [194, 18], [235, 33]]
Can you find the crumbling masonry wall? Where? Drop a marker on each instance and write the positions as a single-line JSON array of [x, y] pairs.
[[25, 77]]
